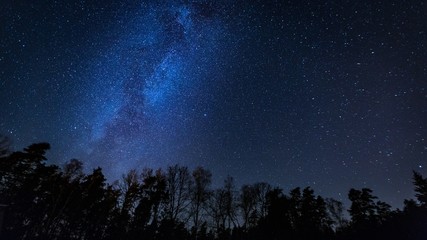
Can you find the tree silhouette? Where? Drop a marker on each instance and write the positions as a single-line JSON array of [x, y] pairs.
[[367, 215], [420, 184], [199, 196], [217, 209], [277, 223], [146, 215], [24, 180], [73, 169], [179, 186], [129, 189], [313, 221], [362, 210], [48, 202], [262, 189], [248, 204], [336, 213], [230, 218]]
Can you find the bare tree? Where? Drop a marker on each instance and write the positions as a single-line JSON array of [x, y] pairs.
[[200, 194], [248, 199], [253, 202], [261, 190], [230, 202], [179, 184], [217, 209], [223, 205]]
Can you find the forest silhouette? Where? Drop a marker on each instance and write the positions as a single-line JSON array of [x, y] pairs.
[[41, 201]]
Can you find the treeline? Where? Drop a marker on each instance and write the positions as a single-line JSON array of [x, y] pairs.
[[48, 202]]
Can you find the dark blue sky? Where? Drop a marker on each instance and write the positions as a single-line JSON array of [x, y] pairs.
[[328, 94]]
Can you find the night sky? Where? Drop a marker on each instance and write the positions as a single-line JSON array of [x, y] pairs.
[[327, 94]]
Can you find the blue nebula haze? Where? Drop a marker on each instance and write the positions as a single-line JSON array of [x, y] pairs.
[[146, 86]]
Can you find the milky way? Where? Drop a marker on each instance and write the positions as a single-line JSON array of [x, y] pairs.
[[330, 95], [146, 85]]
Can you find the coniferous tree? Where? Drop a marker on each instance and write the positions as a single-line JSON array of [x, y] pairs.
[[420, 184], [362, 210]]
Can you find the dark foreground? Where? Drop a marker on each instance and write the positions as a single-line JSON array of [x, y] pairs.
[[41, 201]]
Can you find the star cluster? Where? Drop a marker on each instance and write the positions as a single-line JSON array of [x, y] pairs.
[[327, 94]]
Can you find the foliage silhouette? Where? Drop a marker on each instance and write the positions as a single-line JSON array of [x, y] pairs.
[[48, 202]]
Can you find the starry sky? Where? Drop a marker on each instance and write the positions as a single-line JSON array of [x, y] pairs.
[[328, 94]]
